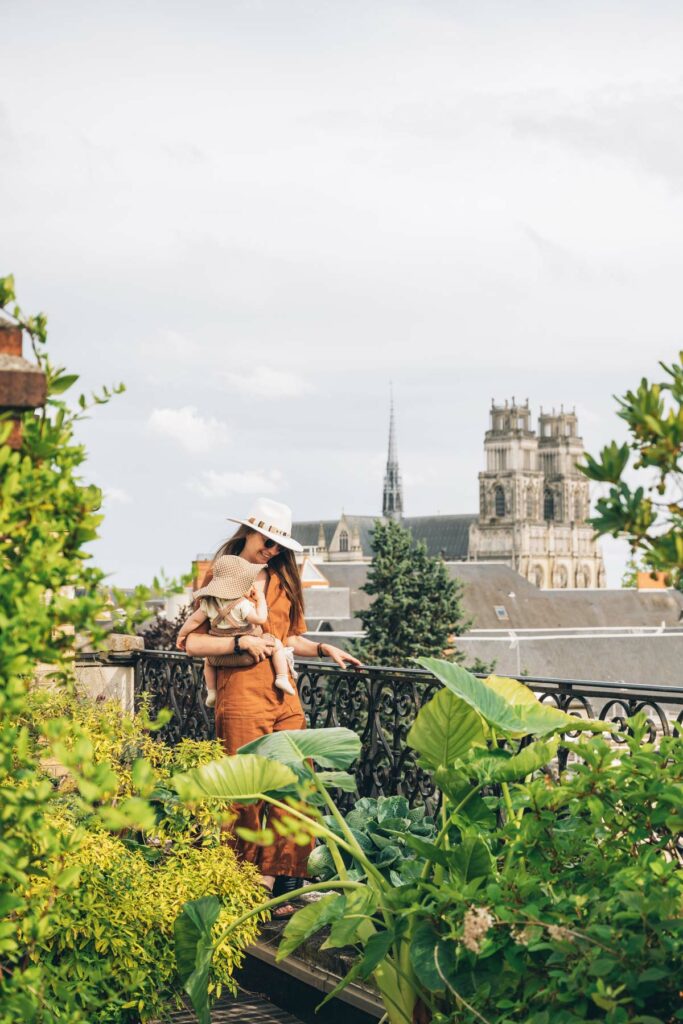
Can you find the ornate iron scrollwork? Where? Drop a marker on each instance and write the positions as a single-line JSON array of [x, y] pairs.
[[380, 705]]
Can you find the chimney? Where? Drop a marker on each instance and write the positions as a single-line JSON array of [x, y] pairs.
[[22, 384]]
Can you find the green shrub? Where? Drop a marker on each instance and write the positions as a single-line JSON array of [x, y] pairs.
[[109, 943]]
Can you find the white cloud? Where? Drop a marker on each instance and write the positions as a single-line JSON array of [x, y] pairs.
[[193, 432], [116, 495], [212, 484], [265, 382]]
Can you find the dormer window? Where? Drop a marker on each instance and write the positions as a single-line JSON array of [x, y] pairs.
[[343, 541]]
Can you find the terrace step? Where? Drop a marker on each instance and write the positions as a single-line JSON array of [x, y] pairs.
[[245, 1008]]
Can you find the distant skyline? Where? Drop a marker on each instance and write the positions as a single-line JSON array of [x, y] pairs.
[[257, 213]]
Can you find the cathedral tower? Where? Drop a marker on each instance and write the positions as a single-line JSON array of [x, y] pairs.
[[392, 497], [534, 502]]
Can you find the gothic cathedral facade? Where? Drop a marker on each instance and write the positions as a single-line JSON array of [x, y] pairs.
[[534, 502]]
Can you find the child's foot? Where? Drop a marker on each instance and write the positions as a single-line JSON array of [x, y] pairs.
[[210, 698], [283, 683]]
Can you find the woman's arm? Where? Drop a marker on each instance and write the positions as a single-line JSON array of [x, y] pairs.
[[202, 645], [308, 649]]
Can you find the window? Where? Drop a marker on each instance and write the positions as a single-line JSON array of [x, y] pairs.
[[499, 501], [548, 504], [530, 509], [578, 508], [343, 541]]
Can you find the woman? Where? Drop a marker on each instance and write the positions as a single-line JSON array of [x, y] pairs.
[[247, 704]]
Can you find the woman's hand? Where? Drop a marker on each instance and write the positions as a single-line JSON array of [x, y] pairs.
[[260, 647], [181, 642], [340, 657]]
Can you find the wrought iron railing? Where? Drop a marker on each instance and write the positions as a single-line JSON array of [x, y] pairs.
[[380, 704]]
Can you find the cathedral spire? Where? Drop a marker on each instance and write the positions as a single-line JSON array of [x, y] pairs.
[[392, 498]]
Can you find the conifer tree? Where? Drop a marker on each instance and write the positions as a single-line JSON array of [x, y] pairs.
[[416, 608]]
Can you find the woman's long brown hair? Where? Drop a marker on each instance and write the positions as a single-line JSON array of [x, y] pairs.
[[283, 564]]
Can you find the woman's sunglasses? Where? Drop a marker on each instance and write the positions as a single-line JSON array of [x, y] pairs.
[[268, 543]]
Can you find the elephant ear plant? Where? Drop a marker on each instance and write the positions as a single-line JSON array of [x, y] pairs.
[[459, 736]]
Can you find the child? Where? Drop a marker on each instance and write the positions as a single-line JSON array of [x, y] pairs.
[[235, 603]]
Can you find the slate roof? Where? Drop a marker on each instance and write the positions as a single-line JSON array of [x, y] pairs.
[[443, 535], [448, 536], [307, 532], [646, 659], [488, 585]]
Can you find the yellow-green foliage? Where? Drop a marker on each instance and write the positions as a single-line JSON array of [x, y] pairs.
[[114, 930], [117, 742]]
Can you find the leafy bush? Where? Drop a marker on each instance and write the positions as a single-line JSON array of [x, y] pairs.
[[384, 828], [554, 899], [108, 941], [650, 514], [161, 633]]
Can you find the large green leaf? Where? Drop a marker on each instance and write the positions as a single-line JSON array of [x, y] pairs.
[[339, 780], [522, 719], [446, 728], [354, 923], [240, 778], [428, 851], [513, 691], [194, 949], [330, 748], [490, 768], [422, 953], [471, 859], [309, 920]]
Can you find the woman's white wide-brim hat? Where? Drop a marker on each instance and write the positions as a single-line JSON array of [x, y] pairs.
[[272, 519]]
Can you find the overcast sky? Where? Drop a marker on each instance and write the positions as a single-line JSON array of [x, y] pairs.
[[257, 213]]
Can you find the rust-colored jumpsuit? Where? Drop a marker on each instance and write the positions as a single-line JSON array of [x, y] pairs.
[[247, 706]]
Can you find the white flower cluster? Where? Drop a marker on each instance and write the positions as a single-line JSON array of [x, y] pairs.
[[477, 922]]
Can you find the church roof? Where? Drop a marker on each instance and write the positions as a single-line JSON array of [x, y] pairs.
[[307, 532], [448, 536]]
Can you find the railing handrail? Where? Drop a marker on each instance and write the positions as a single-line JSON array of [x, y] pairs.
[[674, 694]]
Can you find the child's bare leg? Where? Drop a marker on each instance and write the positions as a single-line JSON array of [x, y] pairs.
[[281, 666], [210, 675]]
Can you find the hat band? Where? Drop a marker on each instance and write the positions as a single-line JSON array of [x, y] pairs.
[[260, 525]]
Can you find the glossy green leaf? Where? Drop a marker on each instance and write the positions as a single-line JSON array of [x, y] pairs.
[[471, 859], [446, 728], [242, 778], [512, 719], [339, 780], [358, 908], [329, 748], [309, 920], [490, 768], [194, 950], [423, 945]]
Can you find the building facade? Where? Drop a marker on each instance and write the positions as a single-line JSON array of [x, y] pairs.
[[534, 502]]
